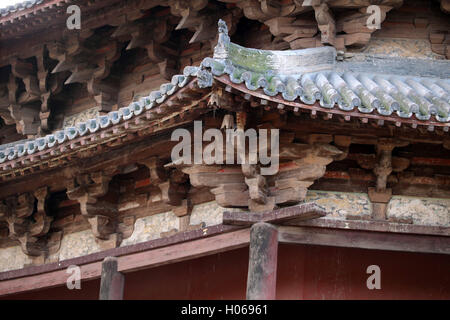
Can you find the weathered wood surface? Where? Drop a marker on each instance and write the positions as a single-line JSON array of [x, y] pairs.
[[304, 211], [369, 225], [364, 239], [112, 282], [262, 265]]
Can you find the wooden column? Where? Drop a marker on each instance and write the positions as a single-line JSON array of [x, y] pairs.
[[112, 281], [262, 267]]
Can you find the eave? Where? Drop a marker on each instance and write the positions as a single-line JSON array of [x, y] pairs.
[[415, 92], [162, 109], [278, 103], [309, 80]]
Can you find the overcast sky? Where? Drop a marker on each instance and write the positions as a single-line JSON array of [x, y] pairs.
[[5, 3]]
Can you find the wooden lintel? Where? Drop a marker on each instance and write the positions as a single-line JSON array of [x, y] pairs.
[[364, 239], [304, 211], [372, 225]]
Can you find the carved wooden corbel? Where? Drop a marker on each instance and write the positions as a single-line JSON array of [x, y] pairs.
[[31, 120], [326, 23], [257, 189], [88, 65], [172, 185], [178, 6], [48, 85], [100, 207], [244, 186], [29, 224], [25, 118], [40, 85], [159, 31], [383, 164], [202, 19], [350, 29]]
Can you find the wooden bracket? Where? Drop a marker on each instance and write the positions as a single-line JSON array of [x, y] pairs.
[[244, 186], [32, 234], [91, 191], [383, 164], [172, 185]]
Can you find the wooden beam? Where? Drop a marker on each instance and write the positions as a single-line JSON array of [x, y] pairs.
[[372, 225], [112, 281], [304, 211], [364, 239], [262, 267]]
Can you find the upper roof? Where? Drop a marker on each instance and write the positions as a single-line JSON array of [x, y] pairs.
[[26, 8], [412, 89], [19, 7], [398, 90]]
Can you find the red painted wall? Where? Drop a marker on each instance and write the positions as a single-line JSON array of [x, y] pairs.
[[314, 272], [304, 272]]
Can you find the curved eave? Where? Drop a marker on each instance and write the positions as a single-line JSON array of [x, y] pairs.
[[278, 102], [313, 79], [143, 123], [16, 13]]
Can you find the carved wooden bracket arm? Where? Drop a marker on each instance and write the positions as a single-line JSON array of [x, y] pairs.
[[244, 185], [29, 224], [99, 207]]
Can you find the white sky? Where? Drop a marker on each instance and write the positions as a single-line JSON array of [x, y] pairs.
[[5, 3]]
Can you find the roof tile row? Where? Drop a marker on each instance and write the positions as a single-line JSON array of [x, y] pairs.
[[155, 98], [406, 96]]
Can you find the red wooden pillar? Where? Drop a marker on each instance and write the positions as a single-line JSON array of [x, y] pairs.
[[262, 267], [112, 281]]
